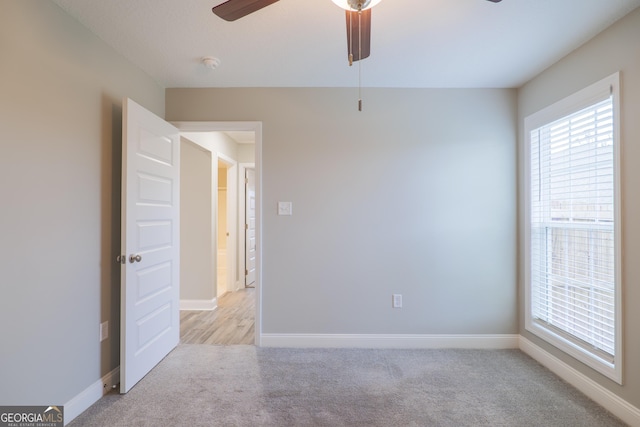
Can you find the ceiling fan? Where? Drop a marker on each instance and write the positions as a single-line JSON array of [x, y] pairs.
[[358, 14]]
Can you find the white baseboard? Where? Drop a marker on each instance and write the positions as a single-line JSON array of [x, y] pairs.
[[605, 398], [389, 341], [199, 304], [90, 395]]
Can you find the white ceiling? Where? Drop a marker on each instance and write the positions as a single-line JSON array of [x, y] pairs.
[[302, 43]]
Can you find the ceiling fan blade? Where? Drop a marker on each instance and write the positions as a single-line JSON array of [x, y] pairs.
[[495, 1], [236, 9], [359, 48]]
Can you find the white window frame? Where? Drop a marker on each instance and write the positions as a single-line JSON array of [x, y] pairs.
[[573, 103]]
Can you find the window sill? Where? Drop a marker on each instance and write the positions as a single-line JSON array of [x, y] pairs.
[[610, 370]]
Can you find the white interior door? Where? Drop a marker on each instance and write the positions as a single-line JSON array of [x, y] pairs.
[[150, 320], [250, 225]]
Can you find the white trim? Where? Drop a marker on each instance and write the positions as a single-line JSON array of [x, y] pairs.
[[390, 341], [256, 127], [568, 105], [199, 304], [604, 397], [212, 126], [242, 238], [82, 401]]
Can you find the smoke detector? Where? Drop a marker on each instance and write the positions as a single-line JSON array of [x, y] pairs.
[[211, 62]]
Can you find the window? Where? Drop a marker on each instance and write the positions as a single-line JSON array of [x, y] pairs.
[[573, 227]]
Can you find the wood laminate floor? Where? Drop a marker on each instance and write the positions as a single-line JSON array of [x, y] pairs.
[[233, 322]]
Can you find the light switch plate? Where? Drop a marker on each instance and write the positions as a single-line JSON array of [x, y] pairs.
[[285, 208]]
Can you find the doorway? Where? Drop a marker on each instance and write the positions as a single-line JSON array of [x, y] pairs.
[[228, 227]]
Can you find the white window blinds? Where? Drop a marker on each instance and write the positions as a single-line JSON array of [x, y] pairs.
[[572, 206], [572, 228]]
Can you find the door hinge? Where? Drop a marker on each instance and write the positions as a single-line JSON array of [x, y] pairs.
[[246, 272], [246, 226]]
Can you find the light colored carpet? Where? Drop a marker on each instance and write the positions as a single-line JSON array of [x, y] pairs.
[[204, 385]]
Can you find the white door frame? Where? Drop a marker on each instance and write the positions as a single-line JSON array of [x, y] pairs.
[[242, 197], [256, 127]]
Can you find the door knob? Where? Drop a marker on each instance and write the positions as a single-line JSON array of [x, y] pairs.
[[134, 258]]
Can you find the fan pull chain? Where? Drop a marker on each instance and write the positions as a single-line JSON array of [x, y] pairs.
[[360, 59]]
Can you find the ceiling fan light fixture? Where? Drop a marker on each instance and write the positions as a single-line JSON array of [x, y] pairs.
[[353, 5]]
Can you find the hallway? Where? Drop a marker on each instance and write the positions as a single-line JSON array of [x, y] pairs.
[[232, 323]]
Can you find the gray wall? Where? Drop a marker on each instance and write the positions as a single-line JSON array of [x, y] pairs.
[[414, 195], [616, 49], [60, 116], [196, 216]]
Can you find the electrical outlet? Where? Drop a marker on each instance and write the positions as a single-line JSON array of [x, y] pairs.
[[104, 330], [397, 300]]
